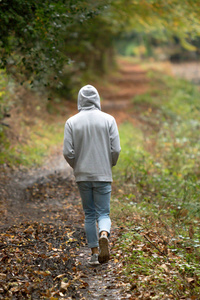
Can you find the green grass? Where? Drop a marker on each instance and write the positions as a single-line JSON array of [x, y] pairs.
[[30, 126], [157, 190], [5, 96], [42, 139]]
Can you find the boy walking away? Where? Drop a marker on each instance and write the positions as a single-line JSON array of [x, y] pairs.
[[92, 147]]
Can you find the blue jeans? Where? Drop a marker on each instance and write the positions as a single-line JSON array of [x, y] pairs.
[[95, 197]]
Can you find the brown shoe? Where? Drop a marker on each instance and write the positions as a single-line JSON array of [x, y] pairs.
[[104, 255]]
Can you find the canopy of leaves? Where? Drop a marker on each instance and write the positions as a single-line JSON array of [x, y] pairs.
[[33, 32], [42, 36]]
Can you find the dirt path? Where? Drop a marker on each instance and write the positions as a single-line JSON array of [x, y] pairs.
[[43, 242], [43, 247], [117, 97]]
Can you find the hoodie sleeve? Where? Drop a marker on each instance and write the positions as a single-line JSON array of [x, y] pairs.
[[68, 145], [115, 142]]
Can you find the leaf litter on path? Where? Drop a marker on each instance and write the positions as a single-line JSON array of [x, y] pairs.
[[43, 247], [43, 252]]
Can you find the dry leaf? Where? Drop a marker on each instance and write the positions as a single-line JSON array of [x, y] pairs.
[[59, 276], [190, 280], [2, 275], [163, 266], [64, 285]]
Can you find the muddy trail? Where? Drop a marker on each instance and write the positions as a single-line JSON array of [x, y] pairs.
[[43, 251]]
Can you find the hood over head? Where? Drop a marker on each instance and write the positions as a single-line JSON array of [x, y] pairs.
[[88, 98]]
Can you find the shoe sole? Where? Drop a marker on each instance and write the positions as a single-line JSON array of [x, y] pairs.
[[94, 264], [104, 255]]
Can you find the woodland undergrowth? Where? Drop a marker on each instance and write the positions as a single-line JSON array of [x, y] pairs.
[[155, 199], [156, 192]]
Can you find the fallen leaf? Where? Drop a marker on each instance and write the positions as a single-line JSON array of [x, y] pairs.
[[163, 266], [64, 286], [190, 280], [2, 275], [59, 276]]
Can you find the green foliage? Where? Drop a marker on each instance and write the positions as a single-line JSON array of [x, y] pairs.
[[158, 178], [132, 151], [42, 139], [158, 28], [171, 169], [150, 272], [160, 47], [167, 18], [33, 34], [39, 38], [5, 100], [91, 52]]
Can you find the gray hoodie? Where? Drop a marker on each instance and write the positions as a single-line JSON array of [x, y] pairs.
[[91, 139]]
